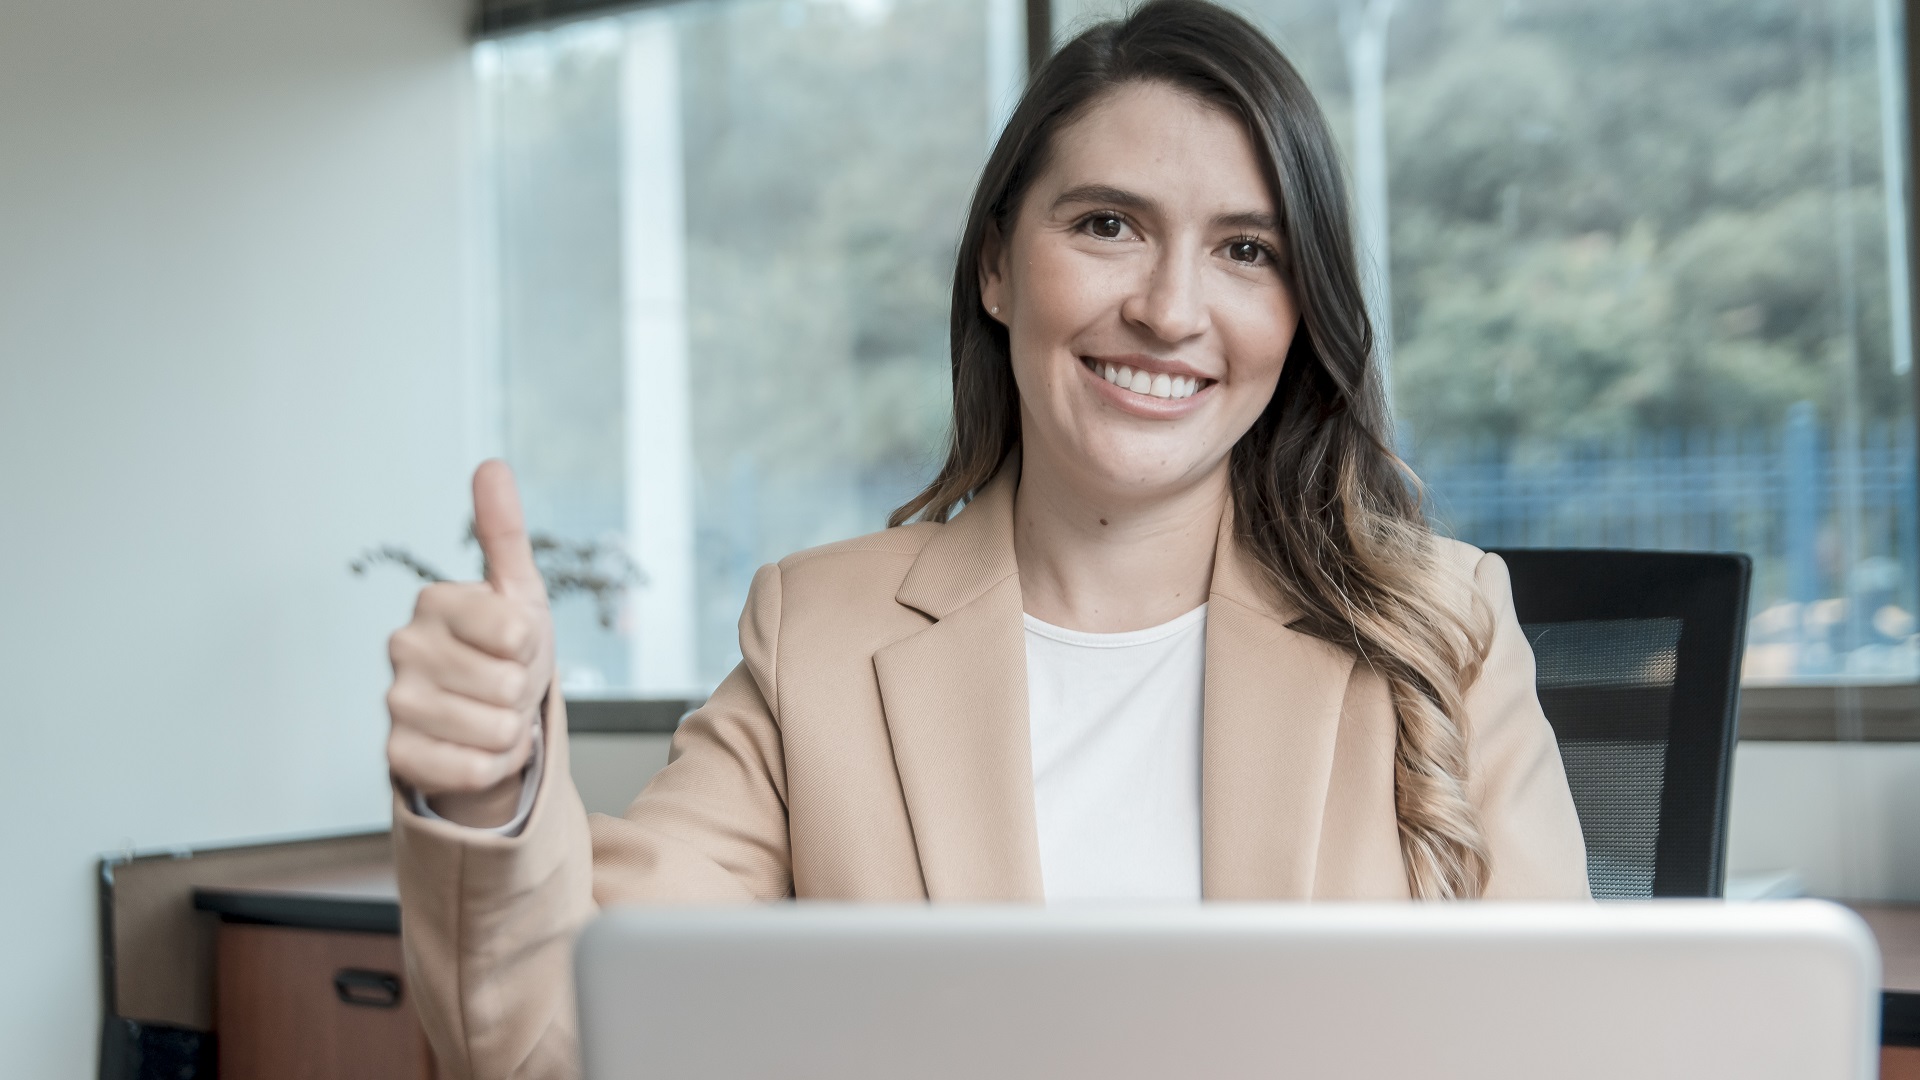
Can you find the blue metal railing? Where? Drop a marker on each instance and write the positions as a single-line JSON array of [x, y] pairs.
[[1834, 587]]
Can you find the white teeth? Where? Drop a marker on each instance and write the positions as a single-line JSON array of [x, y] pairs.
[[1146, 383]]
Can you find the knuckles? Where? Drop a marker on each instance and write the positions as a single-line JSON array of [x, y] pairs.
[[500, 731], [498, 625], [477, 771], [402, 646], [399, 761], [513, 685], [407, 762], [401, 702], [447, 769], [517, 635], [434, 599]]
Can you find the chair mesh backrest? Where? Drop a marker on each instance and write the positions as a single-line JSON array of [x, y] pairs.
[[1608, 686], [1637, 658]]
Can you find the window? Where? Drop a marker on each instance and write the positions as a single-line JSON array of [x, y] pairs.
[[722, 275], [1646, 263]]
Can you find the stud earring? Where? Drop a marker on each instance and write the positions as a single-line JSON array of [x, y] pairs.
[[995, 310]]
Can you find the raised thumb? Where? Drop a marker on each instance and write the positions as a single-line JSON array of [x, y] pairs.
[[502, 532]]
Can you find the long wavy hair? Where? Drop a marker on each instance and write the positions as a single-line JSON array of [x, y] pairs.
[[1320, 500]]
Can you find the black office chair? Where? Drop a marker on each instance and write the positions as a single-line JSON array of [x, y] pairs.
[[1637, 659]]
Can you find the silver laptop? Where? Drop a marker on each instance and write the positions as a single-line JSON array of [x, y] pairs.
[[1689, 989]]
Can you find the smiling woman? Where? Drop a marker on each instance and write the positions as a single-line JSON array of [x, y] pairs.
[[1176, 209], [1167, 625]]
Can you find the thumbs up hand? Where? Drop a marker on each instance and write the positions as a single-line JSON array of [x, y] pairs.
[[471, 670]]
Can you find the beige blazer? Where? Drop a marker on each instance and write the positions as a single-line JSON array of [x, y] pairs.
[[872, 745]]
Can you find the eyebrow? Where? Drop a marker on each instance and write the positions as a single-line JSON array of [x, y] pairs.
[[1107, 195]]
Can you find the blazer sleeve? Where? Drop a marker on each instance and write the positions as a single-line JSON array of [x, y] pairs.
[[1515, 777], [488, 921]]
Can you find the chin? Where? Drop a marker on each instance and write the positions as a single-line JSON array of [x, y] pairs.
[[1136, 470]]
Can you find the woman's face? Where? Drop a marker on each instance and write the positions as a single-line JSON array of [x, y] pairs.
[[1141, 295]]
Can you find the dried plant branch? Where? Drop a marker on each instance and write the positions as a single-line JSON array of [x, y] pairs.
[[397, 556], [601, 570]]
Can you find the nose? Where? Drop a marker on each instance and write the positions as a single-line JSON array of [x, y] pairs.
[[1170, 303]]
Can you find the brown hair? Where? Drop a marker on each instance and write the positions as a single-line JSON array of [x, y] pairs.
[[1321, 501]]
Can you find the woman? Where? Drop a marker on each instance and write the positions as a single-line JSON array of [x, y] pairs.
[[1188, 637]]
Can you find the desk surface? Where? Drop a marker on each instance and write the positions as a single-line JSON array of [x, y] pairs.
[[362, 896], [1897, 926]]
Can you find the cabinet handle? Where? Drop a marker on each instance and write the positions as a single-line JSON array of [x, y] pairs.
[[373, 989]]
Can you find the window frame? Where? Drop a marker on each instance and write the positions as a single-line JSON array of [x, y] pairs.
[[496, 18]]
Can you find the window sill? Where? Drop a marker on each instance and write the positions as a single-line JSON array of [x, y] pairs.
[[1767, 714], [627, 716], [1886, 713]]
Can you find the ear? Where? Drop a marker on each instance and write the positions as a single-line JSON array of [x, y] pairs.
[[993, 273]]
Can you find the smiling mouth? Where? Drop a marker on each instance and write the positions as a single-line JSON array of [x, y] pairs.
[[1146, 383]]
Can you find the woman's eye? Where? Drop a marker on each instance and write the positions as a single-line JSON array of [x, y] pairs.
[[1246, 251], [1106, 226]]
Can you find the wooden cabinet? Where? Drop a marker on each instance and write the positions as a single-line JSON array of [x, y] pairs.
[[1897, 928], [304, 1004], [309, 982]]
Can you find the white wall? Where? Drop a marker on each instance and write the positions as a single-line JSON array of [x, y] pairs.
[[1845, 818], [610, 769], [232, 351]]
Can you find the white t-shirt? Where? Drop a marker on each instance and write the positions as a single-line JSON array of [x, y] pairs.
[[1115, 722]]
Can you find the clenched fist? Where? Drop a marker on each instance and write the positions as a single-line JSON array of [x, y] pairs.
[[471, 669]]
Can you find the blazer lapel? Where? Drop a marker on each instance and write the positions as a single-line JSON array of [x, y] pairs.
[[955, 697], [1272, 708]]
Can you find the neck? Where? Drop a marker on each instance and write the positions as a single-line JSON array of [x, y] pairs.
[[1105, 562]]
